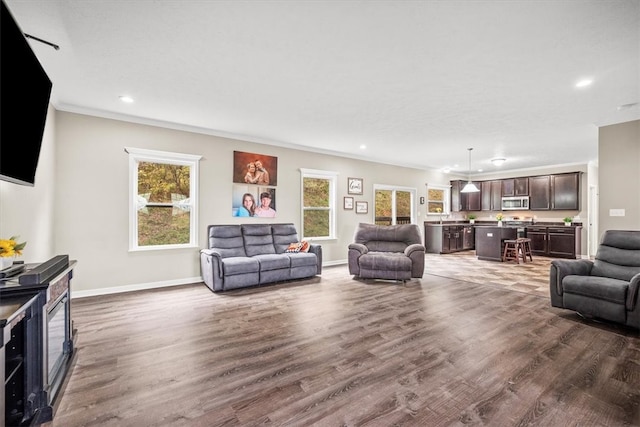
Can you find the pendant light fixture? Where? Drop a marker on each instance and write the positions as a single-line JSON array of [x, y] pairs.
[[470, 187]]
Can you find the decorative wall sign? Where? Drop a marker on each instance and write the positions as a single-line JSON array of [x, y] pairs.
[[362, 207], [258, 169], [348, 202], [354, 186]]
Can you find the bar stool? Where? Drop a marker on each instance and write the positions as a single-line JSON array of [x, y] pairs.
[[524, 243], [511, 250]]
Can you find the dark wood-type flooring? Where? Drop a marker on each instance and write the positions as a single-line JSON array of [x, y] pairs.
[[334, 351]]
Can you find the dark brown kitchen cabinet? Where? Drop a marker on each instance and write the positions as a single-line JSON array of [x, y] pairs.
[[538, 236], [515, 187], [564, 242], [539, 192], [444, 239], [556, 242], [465, 201], [565, 191], [491, 195]]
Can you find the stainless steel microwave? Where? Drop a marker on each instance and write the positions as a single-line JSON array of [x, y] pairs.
[[515, 203]]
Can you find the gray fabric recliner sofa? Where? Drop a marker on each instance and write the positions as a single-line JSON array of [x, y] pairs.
[[245, 255], [606, 288], [392, 252]]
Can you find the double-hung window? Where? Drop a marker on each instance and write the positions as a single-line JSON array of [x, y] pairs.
[[438, 199], [318, 204], [163, 189]]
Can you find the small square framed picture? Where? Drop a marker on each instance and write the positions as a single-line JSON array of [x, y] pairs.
[[354, 185], [348, 203], [362, 207]]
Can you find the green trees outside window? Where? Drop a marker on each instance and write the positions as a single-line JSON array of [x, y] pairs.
[[318, 204], [163, 199], [165, 219]]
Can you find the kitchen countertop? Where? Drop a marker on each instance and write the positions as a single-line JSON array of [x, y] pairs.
[[505, 224]]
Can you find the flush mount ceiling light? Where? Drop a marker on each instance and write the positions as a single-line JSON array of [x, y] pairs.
[[499, 161], [363, 147], [584, 83], [126, 99], [470, 187]]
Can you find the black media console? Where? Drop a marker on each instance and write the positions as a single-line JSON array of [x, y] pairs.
[[36, 340]]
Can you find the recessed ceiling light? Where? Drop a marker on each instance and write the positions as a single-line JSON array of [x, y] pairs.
[[499, 161], [446, 170], [627, 106], [127, 99], [362, 146], [584, 83]]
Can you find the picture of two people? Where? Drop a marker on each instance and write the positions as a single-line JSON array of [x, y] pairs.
[[247, 205]]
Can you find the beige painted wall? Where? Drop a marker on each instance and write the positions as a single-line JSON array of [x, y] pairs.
[[85, 214], [92, 197], [619, 176]]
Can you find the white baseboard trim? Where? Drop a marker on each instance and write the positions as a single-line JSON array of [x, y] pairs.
[[135, 287], [331, 263]]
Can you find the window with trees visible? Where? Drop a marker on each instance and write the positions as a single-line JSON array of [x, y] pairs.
[[394, 205], [163, 199], [438, 197], [318, 204]]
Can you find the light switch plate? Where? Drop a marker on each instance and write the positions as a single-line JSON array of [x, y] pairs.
[[616, 212]]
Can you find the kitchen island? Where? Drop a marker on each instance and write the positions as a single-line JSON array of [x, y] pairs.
[[489, 240]]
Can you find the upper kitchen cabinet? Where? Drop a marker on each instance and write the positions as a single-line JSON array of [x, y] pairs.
[[546, 192], [540, 190], [491, 194], [555, 192], [465, 201], [515, 187], [565, 191]]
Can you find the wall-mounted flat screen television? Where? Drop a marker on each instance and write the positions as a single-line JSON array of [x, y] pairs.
[[25, 90]]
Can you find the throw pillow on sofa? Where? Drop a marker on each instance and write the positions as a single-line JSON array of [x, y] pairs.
[[294, 247]]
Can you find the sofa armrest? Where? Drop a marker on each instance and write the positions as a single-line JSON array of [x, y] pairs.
[[413, 248], [211, 268], [317, 249], [565, 267], [355, 251], [632, 295], [416, 253], [362, 249]]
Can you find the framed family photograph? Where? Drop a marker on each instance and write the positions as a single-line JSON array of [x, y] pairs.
[[354, 186], [348, 203], [255, 169], [362, 207]]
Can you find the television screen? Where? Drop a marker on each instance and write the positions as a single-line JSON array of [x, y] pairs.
[[25, 89]]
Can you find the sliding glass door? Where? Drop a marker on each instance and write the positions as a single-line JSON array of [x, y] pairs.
[[394, 205]]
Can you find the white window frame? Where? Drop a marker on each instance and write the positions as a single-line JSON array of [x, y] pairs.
[[137, 155], [447, 199], [393, 189], [332, 177]]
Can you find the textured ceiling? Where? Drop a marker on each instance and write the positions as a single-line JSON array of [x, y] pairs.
[[417, 82]]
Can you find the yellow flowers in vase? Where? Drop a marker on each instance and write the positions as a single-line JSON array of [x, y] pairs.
[[10, 247]]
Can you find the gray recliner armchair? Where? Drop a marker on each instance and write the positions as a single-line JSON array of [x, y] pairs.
[[606, 288], [392, 252]]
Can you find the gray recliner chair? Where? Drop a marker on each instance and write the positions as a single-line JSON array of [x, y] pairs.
[[392, 252], [606, 288]]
